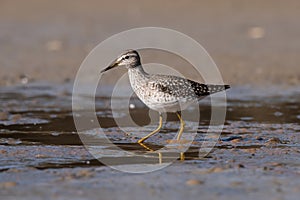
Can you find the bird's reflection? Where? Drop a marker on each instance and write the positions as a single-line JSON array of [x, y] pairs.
[[160, 154]]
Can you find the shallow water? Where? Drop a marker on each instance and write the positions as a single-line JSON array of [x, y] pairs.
[[37, 130]]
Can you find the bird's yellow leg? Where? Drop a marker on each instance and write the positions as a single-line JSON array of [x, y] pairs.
[[145, 146], [151, 150], [182, 157], [182, 124], [153, 132]]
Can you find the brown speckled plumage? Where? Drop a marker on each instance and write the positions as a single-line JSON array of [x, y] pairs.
[[163, 93], [168, 93]]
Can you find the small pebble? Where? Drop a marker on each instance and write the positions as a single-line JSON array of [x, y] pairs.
[[192, 182], [3, 152], [236, 140], [55, 133], [246, 118], [12, 141], [266, 168], [278, 114], [241, 166], [40, 156], [259, 138], [8, 184], [3, 116], [215, 170], [273, 141], [16, 117]]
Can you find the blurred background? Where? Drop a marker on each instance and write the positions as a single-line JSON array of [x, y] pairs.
[[252, 42]]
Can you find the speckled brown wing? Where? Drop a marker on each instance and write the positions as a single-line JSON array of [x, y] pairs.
[[184, 88]]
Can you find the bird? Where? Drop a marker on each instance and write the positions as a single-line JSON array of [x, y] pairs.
[[162, 93]]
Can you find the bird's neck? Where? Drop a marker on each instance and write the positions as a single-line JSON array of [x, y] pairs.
[[137, 76], [138, 71]]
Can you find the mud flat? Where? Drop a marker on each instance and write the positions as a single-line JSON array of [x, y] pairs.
[[255, 45], [42, 156]]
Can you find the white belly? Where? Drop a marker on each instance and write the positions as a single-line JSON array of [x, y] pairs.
[[163, 103]]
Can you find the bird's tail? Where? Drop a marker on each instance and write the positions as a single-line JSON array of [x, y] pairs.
[[217, 88]]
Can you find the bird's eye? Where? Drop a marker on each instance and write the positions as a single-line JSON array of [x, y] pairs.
[[126, 57]]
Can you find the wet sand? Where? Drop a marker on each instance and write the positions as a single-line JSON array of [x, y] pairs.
[[42, 155], [255, 45]]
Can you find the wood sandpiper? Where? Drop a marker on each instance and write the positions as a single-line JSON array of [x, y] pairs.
[[162, 93]]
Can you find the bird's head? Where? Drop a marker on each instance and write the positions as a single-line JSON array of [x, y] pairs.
[[129, 59]]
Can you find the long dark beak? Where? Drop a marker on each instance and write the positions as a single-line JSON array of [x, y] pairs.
[[113, 65]]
